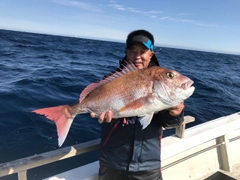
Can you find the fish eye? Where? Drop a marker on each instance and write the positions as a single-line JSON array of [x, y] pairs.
[[170, 75]]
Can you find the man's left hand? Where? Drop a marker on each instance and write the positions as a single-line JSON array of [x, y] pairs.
[[176, 110]]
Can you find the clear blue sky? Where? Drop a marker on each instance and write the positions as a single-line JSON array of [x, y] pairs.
[[212, 25]]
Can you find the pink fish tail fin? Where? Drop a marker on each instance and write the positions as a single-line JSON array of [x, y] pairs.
[[62, 118]]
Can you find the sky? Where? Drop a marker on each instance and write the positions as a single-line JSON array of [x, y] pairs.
[[208, 25]]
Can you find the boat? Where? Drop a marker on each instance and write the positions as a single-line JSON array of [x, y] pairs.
[[208, 151]]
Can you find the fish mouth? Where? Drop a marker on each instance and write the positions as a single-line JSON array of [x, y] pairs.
[[187, 85]]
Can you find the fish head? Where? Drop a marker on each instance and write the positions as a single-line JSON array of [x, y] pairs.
[[171, 87]]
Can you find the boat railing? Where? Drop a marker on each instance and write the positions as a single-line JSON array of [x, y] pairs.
[[21, 166]]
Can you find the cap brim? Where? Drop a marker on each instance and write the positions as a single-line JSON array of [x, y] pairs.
[[140, 39]]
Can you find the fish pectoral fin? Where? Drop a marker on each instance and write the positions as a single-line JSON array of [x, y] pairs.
[[145, 119], [137, 104]]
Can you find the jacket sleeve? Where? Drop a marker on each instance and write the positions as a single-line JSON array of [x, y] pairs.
[[164, 119]]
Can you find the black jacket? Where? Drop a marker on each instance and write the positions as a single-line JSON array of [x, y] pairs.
[[125, 146]]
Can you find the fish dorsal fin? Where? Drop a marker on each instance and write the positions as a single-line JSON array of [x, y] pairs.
[[128, 67]]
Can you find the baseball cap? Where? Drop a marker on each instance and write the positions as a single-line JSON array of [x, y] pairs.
[[141, 39]]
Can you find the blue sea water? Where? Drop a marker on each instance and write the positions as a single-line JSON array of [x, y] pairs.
[[44, 70]]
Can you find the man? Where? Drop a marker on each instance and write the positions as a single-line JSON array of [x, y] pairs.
[[127, 152]]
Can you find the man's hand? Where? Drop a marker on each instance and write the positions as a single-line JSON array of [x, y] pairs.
[[176, 110], [103, 117]]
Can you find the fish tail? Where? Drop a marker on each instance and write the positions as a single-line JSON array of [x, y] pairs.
[[61, 116]]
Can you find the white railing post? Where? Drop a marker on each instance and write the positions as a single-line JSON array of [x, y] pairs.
[[179, 132], [223, 153], [22, 175]]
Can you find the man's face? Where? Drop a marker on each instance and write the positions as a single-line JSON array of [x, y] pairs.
[[139, 55]]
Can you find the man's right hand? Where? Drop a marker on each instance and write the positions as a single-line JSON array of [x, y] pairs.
[[103, 117]]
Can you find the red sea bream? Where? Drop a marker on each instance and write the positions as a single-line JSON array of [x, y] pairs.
[[129, 92]]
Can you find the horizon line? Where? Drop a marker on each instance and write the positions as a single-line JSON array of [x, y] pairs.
[[123, 41]]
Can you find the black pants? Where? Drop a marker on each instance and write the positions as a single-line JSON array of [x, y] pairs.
[[107, 173]]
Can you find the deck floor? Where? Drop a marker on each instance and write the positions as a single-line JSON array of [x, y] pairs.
[[223, 175]]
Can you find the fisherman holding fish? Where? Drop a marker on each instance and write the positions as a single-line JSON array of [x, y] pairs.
[[128, 152], [133, 103]]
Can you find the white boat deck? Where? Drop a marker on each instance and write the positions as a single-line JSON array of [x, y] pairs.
[[77, 174]]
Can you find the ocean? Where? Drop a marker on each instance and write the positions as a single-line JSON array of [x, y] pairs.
[[39, 70]]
